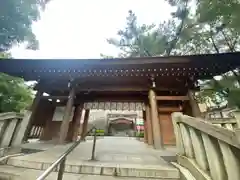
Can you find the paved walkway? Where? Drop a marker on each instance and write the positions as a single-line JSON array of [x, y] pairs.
[[122, 155], [108, 149]]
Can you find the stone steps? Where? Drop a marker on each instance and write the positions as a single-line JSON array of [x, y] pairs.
[[105, 168], [119, 157], [16, 173]]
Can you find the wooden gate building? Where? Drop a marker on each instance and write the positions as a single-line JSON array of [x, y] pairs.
[[157, 86]]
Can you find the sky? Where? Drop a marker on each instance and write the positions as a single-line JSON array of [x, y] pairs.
[[79, 29]]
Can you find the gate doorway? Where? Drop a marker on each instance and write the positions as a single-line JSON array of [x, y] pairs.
[[121, 127]]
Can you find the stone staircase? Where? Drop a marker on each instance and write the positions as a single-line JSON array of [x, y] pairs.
[[98, 171], [205, 151], [116, 158]]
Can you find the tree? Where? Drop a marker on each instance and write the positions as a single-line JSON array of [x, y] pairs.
[[223, 12], [151, 40], [15, 27], [220, 92], [207, 31], [14, 94], [188, 32], [131, 38], [16, 20], [182, 15], [222, 20]]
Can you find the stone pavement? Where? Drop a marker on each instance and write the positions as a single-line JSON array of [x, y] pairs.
[[107, 149], [115, 156]]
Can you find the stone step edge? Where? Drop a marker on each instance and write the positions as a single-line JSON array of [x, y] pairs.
[[18, 175], [102, 170], [184, 172], [4, 159], [7, 176]]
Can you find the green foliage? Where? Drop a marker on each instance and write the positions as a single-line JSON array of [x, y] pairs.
[[135, 40], [15, 27], [225, 12], [219, 91], [140, 134], [234, 98], [5, 55], [99, 132], [14, 94], [106, 56], [207, 26], [16, 20]]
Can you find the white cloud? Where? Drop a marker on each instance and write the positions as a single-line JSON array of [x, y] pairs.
[[79, 29]]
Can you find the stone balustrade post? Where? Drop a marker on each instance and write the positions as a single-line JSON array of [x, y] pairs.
[[179, 139], [237, 116], [198, 147], [214, 158], [208, 151]]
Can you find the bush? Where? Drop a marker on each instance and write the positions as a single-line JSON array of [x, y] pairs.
[[99, 132], [140, 134]]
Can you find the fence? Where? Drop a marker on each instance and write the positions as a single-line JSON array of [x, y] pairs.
[[228, 123]]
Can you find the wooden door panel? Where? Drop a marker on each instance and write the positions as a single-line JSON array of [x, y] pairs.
[[167, 131]]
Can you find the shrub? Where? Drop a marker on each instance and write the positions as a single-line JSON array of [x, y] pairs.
[[140, 134]]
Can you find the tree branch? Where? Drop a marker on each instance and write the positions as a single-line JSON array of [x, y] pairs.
[[179, 31], [213, 42]]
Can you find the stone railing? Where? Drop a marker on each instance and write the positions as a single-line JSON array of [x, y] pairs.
[[228, 123], [9, 125], [10, 129], [207, 151]]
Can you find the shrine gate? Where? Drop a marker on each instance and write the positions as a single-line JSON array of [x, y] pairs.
[[157, 86]]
